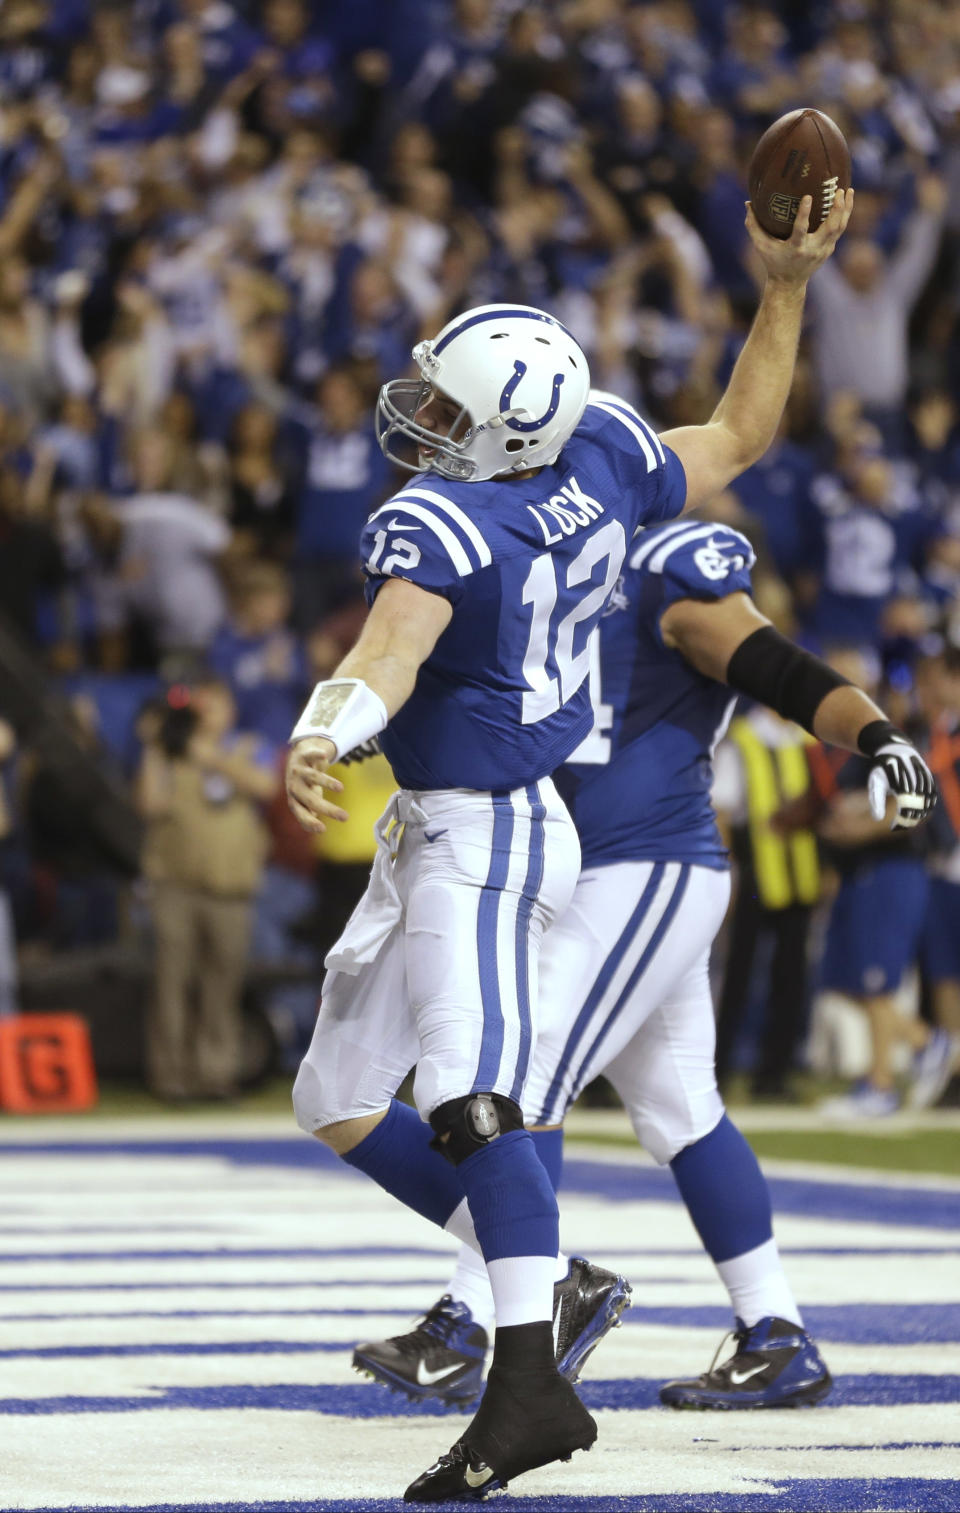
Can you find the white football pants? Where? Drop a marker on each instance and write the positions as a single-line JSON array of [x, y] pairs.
[[625, 991], [438, 965]]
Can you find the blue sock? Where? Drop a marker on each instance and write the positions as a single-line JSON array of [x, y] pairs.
[[398, 1156], [512, 1203], [725, 1191], [549, 1143]]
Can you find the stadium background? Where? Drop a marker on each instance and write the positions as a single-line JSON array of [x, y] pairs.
[[222, 226]]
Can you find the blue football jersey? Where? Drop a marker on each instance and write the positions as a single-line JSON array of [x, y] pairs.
[[639, 786], [528, 565]]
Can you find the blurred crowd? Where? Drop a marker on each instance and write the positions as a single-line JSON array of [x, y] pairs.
[[224, 223]]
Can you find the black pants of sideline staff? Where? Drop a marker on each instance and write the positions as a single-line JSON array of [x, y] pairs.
[[784, 995]]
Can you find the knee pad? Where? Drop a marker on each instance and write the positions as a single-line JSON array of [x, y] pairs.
[[471, 1123]]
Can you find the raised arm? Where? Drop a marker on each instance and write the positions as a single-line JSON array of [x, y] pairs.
[[745, 421], [910, 265], [731, 641], [373, 681]]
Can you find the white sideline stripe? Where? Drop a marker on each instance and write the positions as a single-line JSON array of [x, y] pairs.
[[659, 558], [647, 437], [456, 513], [442, 532]]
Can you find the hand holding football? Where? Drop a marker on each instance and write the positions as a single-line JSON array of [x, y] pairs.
[[802, 153]]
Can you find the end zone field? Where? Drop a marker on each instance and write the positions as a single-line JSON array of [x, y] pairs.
[[179, 1298]]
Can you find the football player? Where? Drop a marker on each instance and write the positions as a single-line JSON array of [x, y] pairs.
[[486, 581], [624, 981]]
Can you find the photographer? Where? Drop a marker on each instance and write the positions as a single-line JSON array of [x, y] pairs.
[[199, 788]]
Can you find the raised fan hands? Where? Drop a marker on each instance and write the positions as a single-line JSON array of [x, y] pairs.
[[794, 260]]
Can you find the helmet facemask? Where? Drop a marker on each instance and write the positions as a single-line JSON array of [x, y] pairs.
[[398, 432]]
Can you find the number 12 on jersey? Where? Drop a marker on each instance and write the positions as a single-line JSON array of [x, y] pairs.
[[553, 679], [597, 747]]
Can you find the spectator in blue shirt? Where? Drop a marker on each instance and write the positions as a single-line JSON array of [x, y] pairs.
[[345, 478], [870, 532], [934, 436], [774, 492], [228, 44], [258, 656], [719, 202], [370, 321]]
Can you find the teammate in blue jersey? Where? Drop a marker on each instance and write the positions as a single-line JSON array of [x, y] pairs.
[[624, 977], [474, 663]]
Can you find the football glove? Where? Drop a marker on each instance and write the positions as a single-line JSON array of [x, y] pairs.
[[898, 768]]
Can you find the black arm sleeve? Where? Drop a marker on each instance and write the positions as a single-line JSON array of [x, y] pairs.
[[771, 669]]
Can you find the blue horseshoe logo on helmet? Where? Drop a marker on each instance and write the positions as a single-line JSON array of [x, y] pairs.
[[519, 368]]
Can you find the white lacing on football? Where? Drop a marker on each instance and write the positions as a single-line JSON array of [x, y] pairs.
[[828, 193]]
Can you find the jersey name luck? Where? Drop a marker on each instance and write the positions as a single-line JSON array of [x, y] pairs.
[[568, 510], [528, 565]]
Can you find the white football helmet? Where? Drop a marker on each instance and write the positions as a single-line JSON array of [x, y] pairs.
[[521, 382]]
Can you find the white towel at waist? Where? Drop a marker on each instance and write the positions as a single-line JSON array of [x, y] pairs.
[[379, 910]]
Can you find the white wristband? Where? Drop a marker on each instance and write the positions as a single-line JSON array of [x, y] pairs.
[[345, 711]]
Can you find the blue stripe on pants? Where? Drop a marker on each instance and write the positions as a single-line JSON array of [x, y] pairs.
[[649, 951], [600, 987], [488, 912], [531, 890]]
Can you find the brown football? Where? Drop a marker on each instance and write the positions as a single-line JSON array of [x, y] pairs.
[[802, 153]]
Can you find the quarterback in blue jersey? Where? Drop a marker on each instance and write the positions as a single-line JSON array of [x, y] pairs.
[[487, 577], [624, 979]]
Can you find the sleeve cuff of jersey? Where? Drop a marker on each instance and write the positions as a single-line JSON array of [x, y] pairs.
[[452, 592]]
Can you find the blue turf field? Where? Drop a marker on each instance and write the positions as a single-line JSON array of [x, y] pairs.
[[176, 1317]]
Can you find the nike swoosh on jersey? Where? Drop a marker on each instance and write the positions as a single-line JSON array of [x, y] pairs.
[[739, 1377], [478, 1478], [427, 1378], [433, 835], [401, 525]]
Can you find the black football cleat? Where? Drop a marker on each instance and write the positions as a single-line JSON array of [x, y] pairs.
[[775, 1365], [587, 1304], [441, 1359], [513, 1431]]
